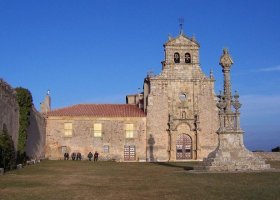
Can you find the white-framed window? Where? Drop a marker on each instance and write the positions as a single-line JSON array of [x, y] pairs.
[[68, 129], [106, 149], [97, 130], [129, 130]]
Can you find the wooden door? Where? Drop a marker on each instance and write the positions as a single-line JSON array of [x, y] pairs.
[[129, 153], [183, 147]]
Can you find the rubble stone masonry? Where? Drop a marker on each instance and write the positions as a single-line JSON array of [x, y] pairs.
[[9, 115]]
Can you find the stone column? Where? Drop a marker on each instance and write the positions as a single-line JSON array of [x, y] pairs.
[[226, 63], [230, 154]]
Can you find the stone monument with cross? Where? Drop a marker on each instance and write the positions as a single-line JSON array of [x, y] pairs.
[[230, 154]]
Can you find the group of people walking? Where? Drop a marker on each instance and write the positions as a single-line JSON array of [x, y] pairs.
[[78, 156]]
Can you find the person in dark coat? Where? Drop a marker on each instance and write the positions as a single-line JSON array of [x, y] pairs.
[[95, 157], [66, 156], [73, 156], [79, 156], [90, 156]]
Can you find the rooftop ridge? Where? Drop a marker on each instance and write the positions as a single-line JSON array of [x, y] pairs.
[[99, 110], [96, 104], [192, 39]]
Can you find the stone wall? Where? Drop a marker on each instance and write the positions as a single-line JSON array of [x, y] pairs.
[[36, 136], [157, 120], [83, 140], [208, 112], [9, 115], [270, 156]]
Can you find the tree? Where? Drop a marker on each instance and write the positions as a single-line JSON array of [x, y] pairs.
[[276, 149]]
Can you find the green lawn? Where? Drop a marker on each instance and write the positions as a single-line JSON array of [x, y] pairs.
[[110, 180]]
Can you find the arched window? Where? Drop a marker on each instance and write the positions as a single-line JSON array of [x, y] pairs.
[[176, 57], [187, 58]]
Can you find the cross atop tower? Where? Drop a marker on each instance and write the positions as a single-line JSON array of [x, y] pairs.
[[181, 23]]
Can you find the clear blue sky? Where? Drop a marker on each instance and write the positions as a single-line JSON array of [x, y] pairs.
[[93, 51]]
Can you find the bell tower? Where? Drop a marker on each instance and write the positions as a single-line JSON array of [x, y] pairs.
[[181, 51]]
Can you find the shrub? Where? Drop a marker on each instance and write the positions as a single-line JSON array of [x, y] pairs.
[[7, 150]]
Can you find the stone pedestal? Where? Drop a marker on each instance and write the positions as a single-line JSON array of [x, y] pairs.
[[231, 155]]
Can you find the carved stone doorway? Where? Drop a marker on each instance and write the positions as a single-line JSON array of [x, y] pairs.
[[183, 147]]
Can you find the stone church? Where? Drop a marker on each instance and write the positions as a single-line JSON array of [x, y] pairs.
[[174, 118]]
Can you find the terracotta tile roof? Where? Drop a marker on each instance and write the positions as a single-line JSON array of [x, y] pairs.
[[99, 110]]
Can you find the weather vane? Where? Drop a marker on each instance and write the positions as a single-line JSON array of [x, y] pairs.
[[181, 22]]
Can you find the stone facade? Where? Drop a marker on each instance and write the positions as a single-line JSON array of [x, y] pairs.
[[115, 131], [180, 104], [36, 136], [9, 115], [110, 145]]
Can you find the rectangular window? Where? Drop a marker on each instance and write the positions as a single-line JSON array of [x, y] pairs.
[[106, 148], [63, 149], [97, 130], [129, 130], [68, 131]]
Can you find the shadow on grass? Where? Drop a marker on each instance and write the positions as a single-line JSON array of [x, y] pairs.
[[184, 166]]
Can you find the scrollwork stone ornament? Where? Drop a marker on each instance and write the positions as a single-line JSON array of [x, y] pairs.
[[221, 103]]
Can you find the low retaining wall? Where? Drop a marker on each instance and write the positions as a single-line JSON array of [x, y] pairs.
[[270, 156]]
